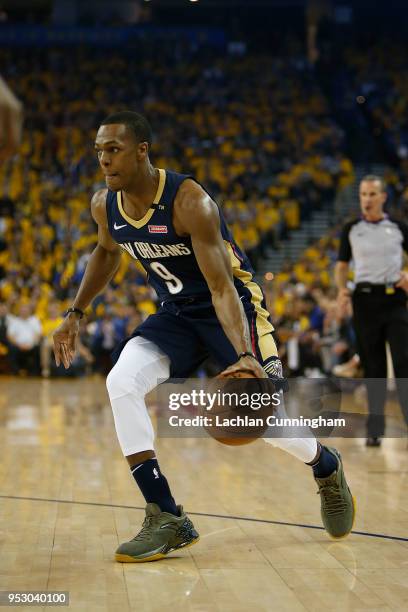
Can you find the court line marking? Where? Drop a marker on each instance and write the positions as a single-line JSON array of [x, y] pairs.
[[223, 516], [212, 533]]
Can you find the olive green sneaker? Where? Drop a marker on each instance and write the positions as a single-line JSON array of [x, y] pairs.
[[337, 504], [161, 533]]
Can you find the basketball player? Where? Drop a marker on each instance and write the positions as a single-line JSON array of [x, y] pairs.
[[209, 306]]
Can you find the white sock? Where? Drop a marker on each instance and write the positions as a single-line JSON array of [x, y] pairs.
[[297, 441], [304, 449]]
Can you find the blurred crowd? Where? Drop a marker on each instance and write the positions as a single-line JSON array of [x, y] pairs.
[[26, 339], [255, 130], [366, 81], [378, 75], [313, 336]]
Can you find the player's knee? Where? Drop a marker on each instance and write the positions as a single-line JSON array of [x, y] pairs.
[[126, 379], [137, 371], [118, 383]]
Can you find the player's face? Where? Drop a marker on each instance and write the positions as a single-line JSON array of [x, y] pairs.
[[119, 155], [372, 200]]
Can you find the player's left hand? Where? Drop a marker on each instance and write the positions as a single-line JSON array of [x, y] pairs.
[[403, 281], [245, 364]]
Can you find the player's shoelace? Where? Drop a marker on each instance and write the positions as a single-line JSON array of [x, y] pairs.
[[332, 500], [146, 530]]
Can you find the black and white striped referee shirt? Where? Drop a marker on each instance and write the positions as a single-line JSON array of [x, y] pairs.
[[376, 249]]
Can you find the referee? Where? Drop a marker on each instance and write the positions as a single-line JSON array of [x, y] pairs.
[[375, 242]]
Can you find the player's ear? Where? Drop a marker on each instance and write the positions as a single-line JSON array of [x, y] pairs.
[[142, 150]]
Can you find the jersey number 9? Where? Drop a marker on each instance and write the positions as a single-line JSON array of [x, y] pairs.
[[174, 284]]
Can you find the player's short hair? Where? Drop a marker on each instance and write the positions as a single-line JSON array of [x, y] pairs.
[[135, 122], [375, 177]]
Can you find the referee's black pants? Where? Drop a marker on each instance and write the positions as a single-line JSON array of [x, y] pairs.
[[379, 318]]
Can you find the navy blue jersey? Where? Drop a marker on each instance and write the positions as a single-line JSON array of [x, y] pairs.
[[169, 259], [174, 273]]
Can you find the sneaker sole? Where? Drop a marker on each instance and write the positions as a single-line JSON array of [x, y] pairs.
[[341, 537], [156, 557]]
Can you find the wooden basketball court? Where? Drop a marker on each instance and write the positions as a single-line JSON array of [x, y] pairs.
[[67, 500]]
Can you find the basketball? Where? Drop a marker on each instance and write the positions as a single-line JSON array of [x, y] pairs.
[[237, 422], [240, 374]]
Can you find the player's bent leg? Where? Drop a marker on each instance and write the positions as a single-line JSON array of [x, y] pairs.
[[140, 367], [337, 503]]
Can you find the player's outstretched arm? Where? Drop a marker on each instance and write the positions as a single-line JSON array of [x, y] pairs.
[[11, 121], [101, 267], [198, 217]]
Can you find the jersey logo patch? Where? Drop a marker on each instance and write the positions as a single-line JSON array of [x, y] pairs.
[[157, 229], [116, 227]]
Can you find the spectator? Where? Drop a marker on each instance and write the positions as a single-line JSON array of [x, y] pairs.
[[24, 335]]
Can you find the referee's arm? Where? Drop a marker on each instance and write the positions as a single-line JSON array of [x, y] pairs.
[[341, 269]]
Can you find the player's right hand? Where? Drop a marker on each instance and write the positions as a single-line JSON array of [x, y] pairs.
[[64, 339], [245, 364]]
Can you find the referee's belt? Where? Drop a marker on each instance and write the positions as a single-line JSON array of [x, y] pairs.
[[374, 289]]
